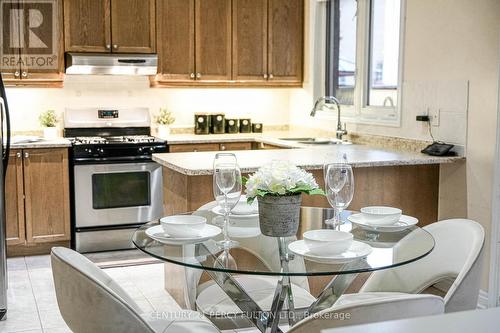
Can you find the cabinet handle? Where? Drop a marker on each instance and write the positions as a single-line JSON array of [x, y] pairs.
[[265, 76], [271, 76], [195, 150], [26, 155], [192, 76], [115, 46], [16, 74], [108, 46], [24, 74], [222, 147], [198, 75], [18, 155]]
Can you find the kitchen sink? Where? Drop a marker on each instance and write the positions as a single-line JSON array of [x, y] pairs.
[[317, 141]]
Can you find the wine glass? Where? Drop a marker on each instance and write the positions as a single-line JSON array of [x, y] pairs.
[[339, 188], [227, 189]]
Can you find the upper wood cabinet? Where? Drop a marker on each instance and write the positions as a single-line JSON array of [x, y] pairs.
[[175, 20], [213, 39], [87, 26], [285, 40], [250, 40], [33, 54], [133, 26], [122, 26], [230, 42]]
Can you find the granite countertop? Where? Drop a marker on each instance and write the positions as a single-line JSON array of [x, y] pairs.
[[269, 137], [310, 158], [43, 143]]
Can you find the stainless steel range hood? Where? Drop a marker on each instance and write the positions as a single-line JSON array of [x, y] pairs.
[[111, 64]]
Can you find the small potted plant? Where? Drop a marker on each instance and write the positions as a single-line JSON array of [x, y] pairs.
[[48, 120], [278, 187], [164, 119]]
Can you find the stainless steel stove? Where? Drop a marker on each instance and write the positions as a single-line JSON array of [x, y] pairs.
[[116, 185]]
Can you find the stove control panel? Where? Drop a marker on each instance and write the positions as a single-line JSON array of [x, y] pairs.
[[107, 114]]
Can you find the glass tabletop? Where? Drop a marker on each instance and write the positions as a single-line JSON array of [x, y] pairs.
[[262, 255]]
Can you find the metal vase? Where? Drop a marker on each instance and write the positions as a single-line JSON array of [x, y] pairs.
[[279, 215]]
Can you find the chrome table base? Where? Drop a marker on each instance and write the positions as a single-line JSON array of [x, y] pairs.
[[268, 321]]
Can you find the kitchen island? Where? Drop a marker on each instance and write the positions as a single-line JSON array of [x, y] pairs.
[[410, 181]]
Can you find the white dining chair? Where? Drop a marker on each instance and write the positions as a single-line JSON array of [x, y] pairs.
[[90, 301], [363, 310], [457, 257]]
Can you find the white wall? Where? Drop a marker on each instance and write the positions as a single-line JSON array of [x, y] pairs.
[[262, 105]]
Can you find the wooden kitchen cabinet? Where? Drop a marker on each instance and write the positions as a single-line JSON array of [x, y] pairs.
[[87, 26], [37, 201], [133, 26], [230, 43], [286, 34], [122, 26], [39, 59], [176, 40], [213, 40], [250, 40], [14, 199], [199, 147]]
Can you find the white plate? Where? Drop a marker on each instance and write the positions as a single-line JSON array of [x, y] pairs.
[[404, 223], [157, 233], [242, 209], [356, 251]]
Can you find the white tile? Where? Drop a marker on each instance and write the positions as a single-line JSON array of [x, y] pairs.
[[35, 262], [16, 264], [51, 319], [64, 329], [20, 321]]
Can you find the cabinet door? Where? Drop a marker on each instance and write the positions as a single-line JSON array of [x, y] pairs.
[[213, 39], [43, 50], [14, 200], [10, 48], [175, 19], [235, 146], [46, 189], [285, 40], [87, 26], [250, 40], [133, 26], [193, 148]]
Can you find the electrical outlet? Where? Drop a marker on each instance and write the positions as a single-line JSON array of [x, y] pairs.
[[435, 116]]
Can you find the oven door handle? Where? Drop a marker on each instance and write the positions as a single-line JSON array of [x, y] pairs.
[[111, 160]]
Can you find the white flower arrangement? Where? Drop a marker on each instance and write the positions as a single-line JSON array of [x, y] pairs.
[[280, 178]]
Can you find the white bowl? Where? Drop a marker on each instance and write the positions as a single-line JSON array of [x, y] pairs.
[[381, 215], [183, 226], [327, 241]]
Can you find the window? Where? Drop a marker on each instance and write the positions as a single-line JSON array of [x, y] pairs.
[[363, 58]]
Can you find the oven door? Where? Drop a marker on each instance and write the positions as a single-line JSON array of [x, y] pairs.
[[117, 194]]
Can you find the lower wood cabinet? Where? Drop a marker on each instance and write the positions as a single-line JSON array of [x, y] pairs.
[[193, 147], [37, 201]]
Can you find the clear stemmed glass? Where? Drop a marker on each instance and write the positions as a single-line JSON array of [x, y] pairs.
[[227, 190], [339, 188]]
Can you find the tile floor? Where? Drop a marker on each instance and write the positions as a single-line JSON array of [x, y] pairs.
[[32, 305]]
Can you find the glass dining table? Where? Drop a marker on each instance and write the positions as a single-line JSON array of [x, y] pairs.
[[260, 256]]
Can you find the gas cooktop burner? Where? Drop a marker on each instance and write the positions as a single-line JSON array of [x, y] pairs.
[[96, 140]]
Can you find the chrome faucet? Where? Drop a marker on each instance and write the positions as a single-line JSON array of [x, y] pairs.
[[340, 131]]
